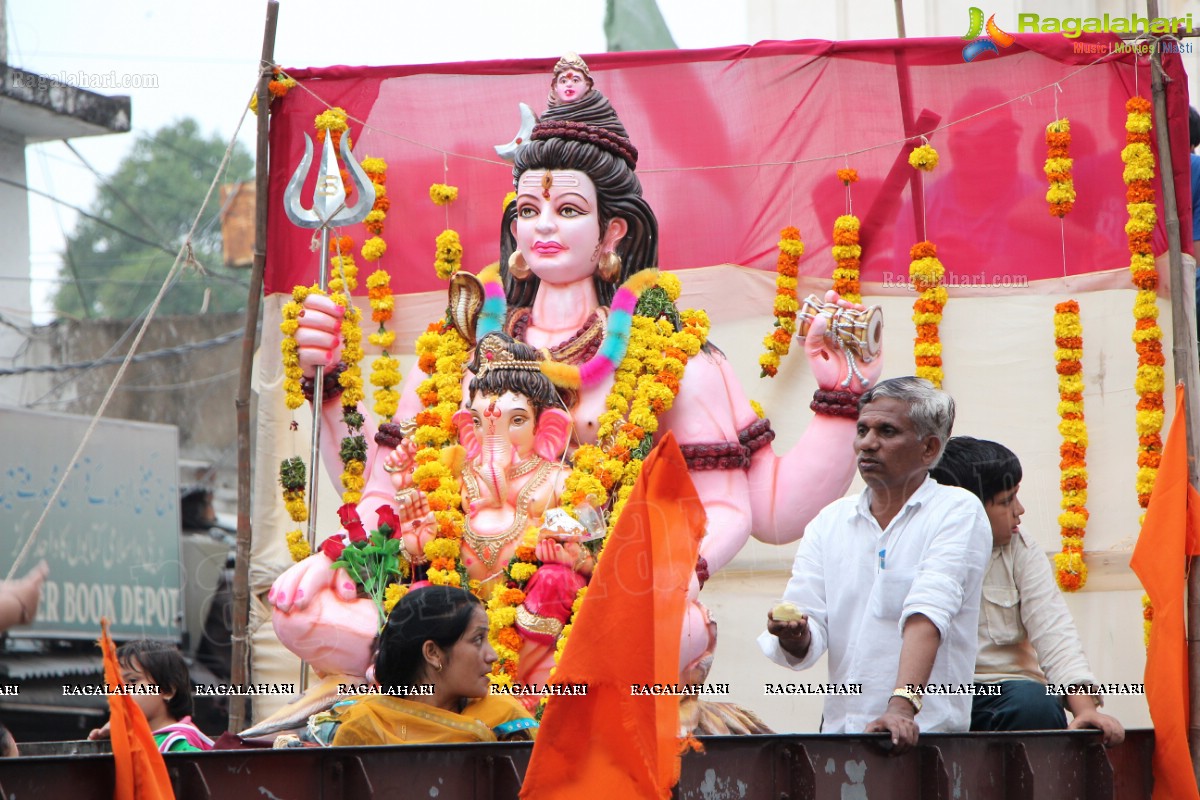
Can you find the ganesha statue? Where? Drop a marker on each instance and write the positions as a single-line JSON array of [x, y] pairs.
[[581, 361]]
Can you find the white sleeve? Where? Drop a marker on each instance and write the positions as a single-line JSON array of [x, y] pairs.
[[806, 590]]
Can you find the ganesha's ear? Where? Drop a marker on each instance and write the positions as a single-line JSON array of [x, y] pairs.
[[553, 433], [466, 432]]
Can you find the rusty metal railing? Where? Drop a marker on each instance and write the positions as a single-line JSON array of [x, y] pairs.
[[1058, 766]]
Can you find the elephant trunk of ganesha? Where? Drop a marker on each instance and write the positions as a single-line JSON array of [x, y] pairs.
[[582, 360]]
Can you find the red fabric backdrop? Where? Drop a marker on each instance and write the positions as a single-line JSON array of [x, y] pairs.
[[738, 142]]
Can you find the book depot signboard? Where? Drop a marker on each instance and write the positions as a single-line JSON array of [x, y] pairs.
[[112, 536]]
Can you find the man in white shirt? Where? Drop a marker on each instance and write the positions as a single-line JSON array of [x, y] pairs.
[[889, 580]]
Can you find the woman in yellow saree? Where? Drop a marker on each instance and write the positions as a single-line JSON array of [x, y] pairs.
[[432, 672]]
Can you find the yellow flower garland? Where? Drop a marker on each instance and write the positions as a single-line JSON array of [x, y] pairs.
[[292, 373], [1147, 335], [502, 610], [924, 158], [448, 258], [443, 195], [645, 383], [353, 450], [298, 545], [385, 370], [926, 273], [847, 252], [1070, 570], [1061, 195], [779, 341], [442, 355]]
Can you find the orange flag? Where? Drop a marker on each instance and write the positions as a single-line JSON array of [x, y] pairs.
[[610, 743], [141, 771], [1170, 533]]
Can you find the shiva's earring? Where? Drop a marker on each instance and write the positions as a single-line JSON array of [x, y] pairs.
[[517, 266], [609, 267]]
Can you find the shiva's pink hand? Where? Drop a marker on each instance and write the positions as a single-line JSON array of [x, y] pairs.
[[827, 361], [318, 336]]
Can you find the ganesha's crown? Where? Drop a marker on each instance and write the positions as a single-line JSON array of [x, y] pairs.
[[493, 355]]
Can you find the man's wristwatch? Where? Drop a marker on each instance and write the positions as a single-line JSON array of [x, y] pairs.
[[910, 696]]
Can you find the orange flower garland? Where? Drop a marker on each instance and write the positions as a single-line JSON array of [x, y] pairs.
[[1061, 195], [385, 370], [846, 250], [353, 449], [502, 610], [279, 86], [1069, 569], [779, 341], [1147, 335], [926, 274], [442, 354]]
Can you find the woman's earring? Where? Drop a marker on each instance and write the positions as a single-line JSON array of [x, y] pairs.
[[517, 266], [438, 667], [609, 267]]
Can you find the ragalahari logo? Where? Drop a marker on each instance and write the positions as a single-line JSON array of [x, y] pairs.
[[984, 44]]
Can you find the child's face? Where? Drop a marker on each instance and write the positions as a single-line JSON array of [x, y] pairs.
[[1004, 513], [153, 706]]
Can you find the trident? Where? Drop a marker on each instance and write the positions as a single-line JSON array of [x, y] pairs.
[[329, 210]]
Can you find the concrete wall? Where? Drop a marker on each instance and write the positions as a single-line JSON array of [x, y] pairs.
[[193, 389]]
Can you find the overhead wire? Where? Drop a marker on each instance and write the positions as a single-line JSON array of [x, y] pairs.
[[179, 257]]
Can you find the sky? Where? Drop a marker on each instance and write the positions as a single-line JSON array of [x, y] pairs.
[[202, 58]]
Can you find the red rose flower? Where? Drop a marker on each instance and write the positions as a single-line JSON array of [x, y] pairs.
[[387, 516], [333, 547], [348, 514], [355, 531]]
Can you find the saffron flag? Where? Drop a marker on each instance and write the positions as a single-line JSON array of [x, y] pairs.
[[141, 773], [611, 743], [1169, 535]]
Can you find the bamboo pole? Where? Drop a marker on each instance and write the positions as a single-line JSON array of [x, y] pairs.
[[241, 572], [1186, 359]]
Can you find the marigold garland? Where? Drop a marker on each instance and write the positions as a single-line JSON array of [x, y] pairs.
[[644, 387], [385, 370], [926, 273], [847, 253], [448, 257], [502, 610], [442, 355], [1147, 335], [292, 372], [924, 158], [298, 546], [1061, 195], [1147, 619], [278, 86], [1070, 569], [443, 195], [353, 448], [787, 265]]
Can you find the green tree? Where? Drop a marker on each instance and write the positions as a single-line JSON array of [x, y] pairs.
[[115, 263]]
